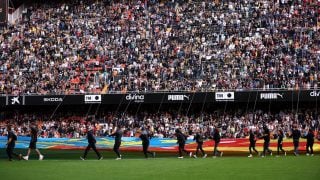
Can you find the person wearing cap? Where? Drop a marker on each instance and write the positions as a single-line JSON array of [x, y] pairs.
[[145, 138], [91, 144]]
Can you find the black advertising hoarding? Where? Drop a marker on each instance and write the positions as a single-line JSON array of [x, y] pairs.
[[166, 98], [15, 100], [158, 98], [3, 11], [312, 95], [3, 100], [266, 96], [198, 97], [54, 100], [278, 96]]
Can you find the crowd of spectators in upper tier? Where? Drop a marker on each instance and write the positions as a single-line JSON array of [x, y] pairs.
[[94, 46]]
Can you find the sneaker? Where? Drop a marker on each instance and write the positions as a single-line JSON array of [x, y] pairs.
[[312, 154], [195, 156], [119, 158], [262, 156], [221, 154], [190, 154], [250, 156], [285, 153], [214, 157], [25, 158], [307, 154], [100, 158], [41, 157], [82, 158], [205, 156], [154, 154], [180, 157]]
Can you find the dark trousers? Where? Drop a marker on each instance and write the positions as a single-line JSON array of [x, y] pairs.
[[266, 148], [116, 148], [199, 147], [145, 147], [253, 147], [310, 145], [216, 152], [296, 145], [181, 149], [280, 148], [10, 153], [93, 146]]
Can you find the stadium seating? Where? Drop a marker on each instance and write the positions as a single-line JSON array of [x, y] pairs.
[[92, 46]]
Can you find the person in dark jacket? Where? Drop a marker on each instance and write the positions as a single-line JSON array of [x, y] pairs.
[[280, 141], [266, 143], [296, 134], [252, 139], [199, 139], [216, 138], [310, 141], [181, 140], [117, 141], [33, 143], [11, 143], [145, 138], [91, 144]]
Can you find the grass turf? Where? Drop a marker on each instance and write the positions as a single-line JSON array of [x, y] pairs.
[[67, 165]]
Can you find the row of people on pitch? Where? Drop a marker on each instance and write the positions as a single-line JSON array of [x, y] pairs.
[[199, 138], [181, 139], [11, 141], [145, 136], [296, 134], [117, 134]]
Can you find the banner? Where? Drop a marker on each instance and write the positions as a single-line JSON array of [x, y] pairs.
[[156, 144]]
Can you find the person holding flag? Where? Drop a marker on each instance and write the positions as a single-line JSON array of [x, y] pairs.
[[33, 143], [91, 144], [253, 140], [145, 138]]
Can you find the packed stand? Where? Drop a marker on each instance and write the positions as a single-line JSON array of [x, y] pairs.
[[87, 46]]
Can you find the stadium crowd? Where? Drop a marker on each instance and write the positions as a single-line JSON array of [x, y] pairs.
[[231, 124], [93, 46]]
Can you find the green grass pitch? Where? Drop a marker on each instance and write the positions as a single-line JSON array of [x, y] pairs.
[[63, 165]]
